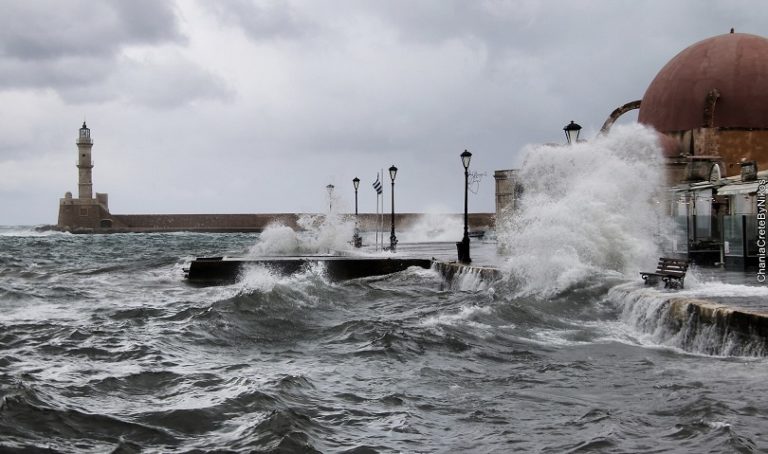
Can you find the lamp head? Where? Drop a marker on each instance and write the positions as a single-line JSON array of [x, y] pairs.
[[393, 172], [465, 158], [572, 132]]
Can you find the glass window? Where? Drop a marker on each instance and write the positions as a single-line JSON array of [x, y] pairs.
[[733, 235]]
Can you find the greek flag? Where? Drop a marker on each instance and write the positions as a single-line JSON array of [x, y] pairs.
[[377, 185]]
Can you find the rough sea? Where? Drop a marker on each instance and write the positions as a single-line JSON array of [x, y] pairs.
[[105, 348]]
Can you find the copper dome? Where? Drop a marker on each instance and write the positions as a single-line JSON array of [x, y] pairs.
[[735, 64]]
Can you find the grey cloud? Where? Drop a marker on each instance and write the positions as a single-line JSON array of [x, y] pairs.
[[74, 47], [165, 84], [268, 19], [170, 84], [60, 72], [35, 30]]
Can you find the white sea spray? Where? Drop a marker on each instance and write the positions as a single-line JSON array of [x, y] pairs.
[[588, 208]]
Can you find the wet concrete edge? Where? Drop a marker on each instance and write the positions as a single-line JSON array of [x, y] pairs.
[[737, 323]]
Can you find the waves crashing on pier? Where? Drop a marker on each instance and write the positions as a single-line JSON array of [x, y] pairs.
[[587, 209]]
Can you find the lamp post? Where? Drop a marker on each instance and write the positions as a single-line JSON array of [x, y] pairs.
[[571, 129], [330, 198], [463, 245], [357, 241], [392, 237]]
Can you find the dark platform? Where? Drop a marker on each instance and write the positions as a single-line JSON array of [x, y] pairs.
[[213, 270]]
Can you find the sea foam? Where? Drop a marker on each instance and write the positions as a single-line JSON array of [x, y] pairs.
[[586, 209]]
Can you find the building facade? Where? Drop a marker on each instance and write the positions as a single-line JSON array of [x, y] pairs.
[[709, 105]]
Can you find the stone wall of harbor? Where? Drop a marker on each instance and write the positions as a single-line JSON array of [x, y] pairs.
[[118, 223]]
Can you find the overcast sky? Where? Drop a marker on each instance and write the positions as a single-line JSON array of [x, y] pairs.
[[246, 106]]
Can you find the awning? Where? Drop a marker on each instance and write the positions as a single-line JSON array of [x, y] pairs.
[[732, 189]]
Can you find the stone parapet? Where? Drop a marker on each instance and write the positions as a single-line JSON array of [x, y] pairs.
[[101, 221]]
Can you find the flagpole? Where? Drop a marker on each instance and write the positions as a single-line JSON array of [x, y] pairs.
[[381, 222], [376, 218]]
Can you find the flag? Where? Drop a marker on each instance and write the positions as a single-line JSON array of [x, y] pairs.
[[377, 185]]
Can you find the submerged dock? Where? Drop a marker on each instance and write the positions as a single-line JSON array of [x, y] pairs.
[[212, 270]]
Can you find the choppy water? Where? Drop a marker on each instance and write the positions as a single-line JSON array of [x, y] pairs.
[[104, 348]]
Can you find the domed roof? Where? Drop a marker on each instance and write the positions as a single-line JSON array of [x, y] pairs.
[[670, 147], [736, 64]]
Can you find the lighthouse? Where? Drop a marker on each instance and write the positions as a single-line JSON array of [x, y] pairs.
[[84, 213], [84, 163]]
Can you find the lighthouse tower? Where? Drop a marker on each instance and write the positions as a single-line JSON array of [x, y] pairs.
[[84, 163], [85, 213]]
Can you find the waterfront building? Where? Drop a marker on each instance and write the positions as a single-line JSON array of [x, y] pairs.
[[717, 219], [508, 189], [709, 105]]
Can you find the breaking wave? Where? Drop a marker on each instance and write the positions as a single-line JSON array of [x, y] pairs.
[[586, 209], [317, 234]]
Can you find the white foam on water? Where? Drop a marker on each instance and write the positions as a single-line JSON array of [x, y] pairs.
[[463, 317], [585, 209], [433, 228], [712, 289], [317, 234], [470, 281], [557, 337], [718, 425], [262, 279], [258, 278], [27, 231]]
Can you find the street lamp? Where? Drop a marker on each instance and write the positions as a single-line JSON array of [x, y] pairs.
[[571, 129], [330, 198], [463, 245], [357, 241], [392, 237]]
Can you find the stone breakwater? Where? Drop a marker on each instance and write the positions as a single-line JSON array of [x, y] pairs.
[[714, 328], [146, 223], [692, 324]]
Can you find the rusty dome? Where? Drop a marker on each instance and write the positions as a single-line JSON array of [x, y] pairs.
[[734, 64], [670, 147]]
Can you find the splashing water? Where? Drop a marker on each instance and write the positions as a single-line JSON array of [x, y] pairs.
[[27, 231], [434, 227], [587, 208], [317, 234]]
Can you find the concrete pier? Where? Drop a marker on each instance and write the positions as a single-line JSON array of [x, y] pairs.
[[216, 270]]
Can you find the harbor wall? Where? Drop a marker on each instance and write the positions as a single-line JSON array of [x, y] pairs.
[[692, 324], [143, 223]]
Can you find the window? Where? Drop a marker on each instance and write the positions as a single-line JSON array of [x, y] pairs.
[[83, 211]]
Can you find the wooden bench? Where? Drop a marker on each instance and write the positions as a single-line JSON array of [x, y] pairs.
[[671, 271]]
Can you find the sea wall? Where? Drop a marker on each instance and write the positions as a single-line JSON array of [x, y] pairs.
[[457, 276], [143, 223], [707, 327], [694, 325], [452, 271]]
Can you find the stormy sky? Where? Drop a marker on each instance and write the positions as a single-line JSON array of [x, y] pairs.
[[247, 106]]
